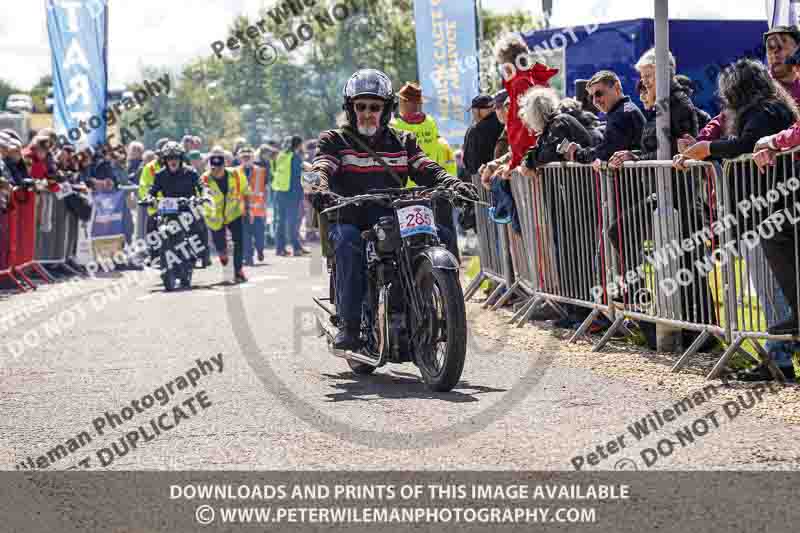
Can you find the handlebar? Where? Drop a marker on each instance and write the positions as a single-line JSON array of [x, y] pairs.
[[387, 197]]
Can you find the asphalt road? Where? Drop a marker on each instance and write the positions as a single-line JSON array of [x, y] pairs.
[[281, 401]]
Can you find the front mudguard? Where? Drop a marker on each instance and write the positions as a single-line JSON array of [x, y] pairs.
[[439, 257]]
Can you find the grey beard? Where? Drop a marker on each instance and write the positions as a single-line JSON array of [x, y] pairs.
[[368, 132]]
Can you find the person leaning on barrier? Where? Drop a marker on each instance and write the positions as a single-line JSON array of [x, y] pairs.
[[482, 135], [688, 86], [502, 150], [624, 121], [756, 106], [539, 110], [588, 120], [683, 119], [12, 158], [766, 147], [520, 73], [781, 42]]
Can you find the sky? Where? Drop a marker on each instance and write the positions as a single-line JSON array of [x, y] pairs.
[[171, 32]]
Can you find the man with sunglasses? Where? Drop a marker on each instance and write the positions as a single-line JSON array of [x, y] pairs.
[[367, 154], [227, 189], [624, 121]]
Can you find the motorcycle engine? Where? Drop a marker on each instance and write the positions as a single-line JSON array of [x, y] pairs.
[[391, 326]]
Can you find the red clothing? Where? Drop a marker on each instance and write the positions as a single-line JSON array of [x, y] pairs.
[[788, 138], [520, 138], [38, 167], [414, 118], [713, 130]]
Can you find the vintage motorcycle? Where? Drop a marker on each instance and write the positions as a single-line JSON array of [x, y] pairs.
[[176, 254], [414, 306]]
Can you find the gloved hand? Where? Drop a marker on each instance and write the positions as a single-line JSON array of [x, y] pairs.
[[467, 190], [321, 200]]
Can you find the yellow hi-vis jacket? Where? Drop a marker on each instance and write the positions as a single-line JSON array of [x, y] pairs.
[[447, 159], [146, 180], [427, 134], [282, 175], [224, 208]]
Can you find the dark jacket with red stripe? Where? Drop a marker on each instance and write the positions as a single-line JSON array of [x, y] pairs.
[[347, 169]]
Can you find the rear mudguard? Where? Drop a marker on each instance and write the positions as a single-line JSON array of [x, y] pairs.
[[439, 256]]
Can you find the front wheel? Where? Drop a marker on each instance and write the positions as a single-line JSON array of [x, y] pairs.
[[442, 348]]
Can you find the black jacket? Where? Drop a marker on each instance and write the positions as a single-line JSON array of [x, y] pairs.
[[560, 127], [682, 119], [757, 120], [480, 141], [348, 169], [17, 170], [185, 183], [624, 125]]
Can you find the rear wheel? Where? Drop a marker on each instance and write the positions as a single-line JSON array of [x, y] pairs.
[[441, 352]]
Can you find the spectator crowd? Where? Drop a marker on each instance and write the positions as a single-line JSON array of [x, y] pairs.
[[527, 125]]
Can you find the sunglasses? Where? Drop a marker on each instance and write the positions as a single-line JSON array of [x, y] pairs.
[[217, 161], [597, 94], [374, 108]]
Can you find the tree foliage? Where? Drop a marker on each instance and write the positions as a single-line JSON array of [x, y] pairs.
[[6, 89], [300, 93]]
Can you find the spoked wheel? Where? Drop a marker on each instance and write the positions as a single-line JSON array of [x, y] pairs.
[[443, 346]]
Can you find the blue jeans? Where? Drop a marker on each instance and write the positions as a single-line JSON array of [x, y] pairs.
[[253, 234], [287, 213], [351, 279]]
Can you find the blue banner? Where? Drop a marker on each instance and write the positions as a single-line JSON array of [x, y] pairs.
[[109, 211], [78, 32], [447, 60]]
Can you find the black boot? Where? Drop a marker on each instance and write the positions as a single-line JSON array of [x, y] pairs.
[[349, 338]]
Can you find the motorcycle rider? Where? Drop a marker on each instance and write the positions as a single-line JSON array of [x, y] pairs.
[[352, 161], [176, 180]]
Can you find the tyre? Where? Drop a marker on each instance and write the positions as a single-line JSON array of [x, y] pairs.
[[441, 353]]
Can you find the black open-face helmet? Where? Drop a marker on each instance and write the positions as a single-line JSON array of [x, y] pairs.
[[374, 83]]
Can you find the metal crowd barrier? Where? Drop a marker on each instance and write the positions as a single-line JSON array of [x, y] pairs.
[[494, 252], [56, 230], [563, 228], [763, 239], [663, 248], [22, 228]]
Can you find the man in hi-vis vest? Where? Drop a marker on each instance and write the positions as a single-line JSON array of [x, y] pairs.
[[255, 205], [227, 188], [424, 128], [288, 196]]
